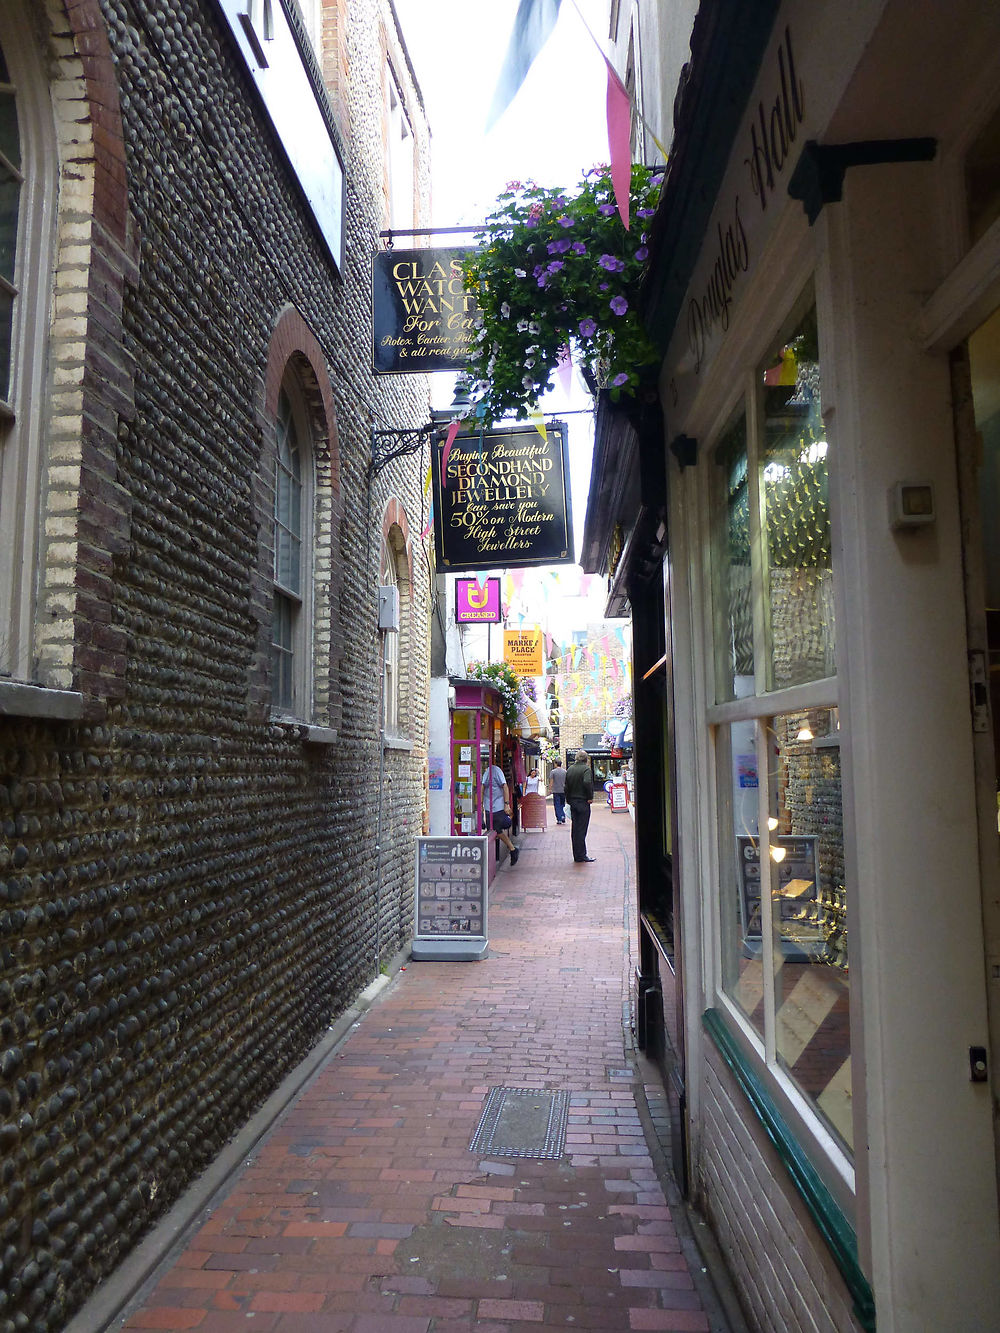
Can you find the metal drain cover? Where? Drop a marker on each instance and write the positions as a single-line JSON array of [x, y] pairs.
[[522, 1122]]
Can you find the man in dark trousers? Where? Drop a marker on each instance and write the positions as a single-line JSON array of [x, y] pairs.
[[579, 794], [557, 786]]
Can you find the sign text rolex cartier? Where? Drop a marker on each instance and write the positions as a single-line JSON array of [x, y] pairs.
[[503, 501], [422, 315]]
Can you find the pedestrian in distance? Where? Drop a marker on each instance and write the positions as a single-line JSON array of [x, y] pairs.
[[496, 798], [579, 793], [557, 785]]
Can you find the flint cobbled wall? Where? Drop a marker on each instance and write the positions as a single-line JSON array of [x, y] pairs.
[[189, 892]]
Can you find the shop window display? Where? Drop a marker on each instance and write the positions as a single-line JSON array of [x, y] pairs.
[[783, 942]]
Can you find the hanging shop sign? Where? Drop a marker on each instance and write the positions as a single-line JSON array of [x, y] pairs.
[[451, 880], [477, 604], [501, 500], [524, 651], [423, 318]]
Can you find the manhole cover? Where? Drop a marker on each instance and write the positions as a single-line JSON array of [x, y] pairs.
[[522, 1122]]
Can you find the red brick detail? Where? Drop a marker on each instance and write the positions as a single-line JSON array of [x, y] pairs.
[[294, 343], [395, 517], [86, 23]]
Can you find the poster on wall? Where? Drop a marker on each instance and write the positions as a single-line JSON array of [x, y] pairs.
[[477, 603], [452, 876], [422, 315], [502, 499], [797, 895]]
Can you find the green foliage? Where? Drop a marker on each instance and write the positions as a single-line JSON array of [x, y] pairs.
[[507, 681], [557, 269]]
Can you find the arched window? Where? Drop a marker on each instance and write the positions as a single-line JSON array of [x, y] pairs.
[[10, 196], [28, 180], [291, 636], [389, 578]]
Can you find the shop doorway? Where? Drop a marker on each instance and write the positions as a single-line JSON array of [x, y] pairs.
[[976, 398]]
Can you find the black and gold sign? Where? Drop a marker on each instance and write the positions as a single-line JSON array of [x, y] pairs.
[[503, 502], [423, 316]]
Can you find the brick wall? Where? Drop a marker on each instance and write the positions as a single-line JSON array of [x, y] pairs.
[[190, 890], [783, 1272]]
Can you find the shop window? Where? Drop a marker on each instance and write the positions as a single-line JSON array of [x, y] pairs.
[[782, 929], [733, 613], [293, 495], [795, 515], [805, 860]]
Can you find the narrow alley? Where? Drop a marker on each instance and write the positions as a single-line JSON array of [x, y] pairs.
[[387, 1199]]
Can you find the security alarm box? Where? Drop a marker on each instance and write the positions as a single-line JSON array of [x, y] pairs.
[[388, 609]]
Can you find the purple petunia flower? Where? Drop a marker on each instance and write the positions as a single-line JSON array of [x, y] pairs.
[[565, 221], [609, 262], [619, 379], [618, 304], [555, 266], [542, 279], [642, 253], [645, 212], [558, 247], [588, 327], [607, 209], [538, 270], [579, 248], [603, 286], [531, 222]]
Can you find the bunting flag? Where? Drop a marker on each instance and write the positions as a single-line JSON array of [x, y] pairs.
[[619, 141], [533, 24], [537, 419], [429, 524], [448, 442], [427, 479]]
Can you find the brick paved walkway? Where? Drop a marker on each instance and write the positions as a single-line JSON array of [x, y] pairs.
[[364, 1210]]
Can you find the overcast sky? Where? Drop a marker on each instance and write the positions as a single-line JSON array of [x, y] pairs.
[[553, 131]]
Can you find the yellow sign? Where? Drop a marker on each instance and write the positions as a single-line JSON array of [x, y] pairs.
[[524, 651]]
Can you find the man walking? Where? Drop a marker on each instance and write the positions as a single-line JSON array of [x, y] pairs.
[[579, 791], [496, 798], [557, 784]]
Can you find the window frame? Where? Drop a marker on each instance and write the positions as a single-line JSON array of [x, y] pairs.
[[391, 684], [300, 602], [22, 422], [822, 1145]]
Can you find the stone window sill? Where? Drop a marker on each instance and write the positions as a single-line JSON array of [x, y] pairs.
[[306, 731], [398, 743], [21, 700]]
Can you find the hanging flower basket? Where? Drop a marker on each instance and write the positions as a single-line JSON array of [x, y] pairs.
[[507, 682], [557, 274]]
